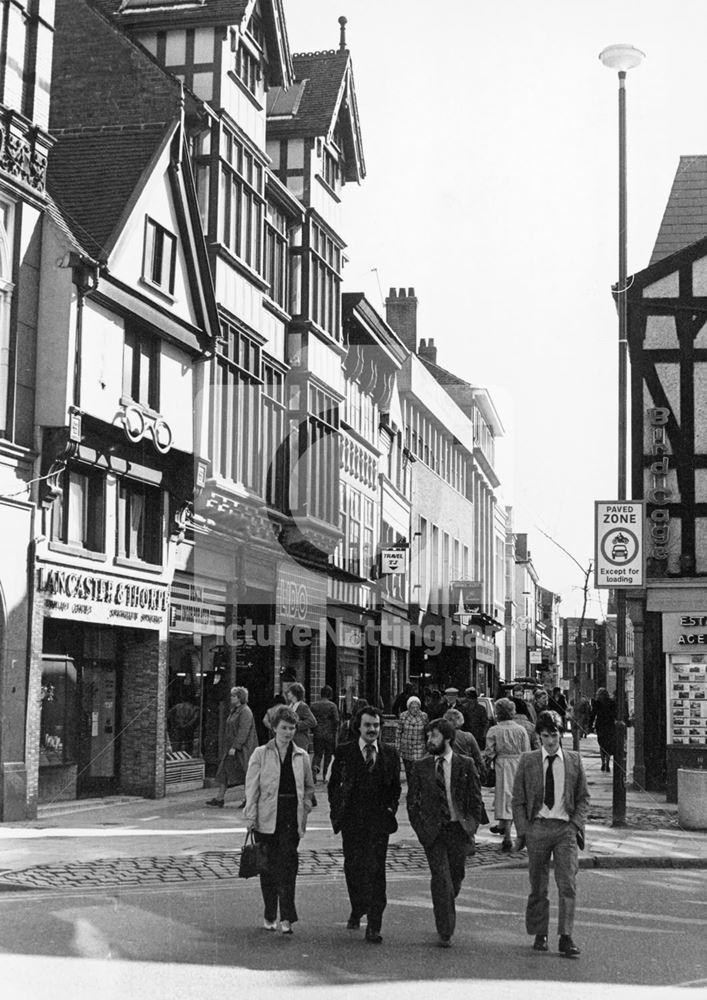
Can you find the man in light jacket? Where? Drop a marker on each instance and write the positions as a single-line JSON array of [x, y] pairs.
[[550, 806]]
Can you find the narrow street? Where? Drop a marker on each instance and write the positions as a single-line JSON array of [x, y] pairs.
[[637, 929]]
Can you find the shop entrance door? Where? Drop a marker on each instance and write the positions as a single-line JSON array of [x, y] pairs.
[[98, 731]]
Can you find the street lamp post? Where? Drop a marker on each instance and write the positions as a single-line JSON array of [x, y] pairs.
[[621, 58]]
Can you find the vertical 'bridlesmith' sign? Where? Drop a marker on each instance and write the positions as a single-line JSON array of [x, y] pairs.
[[619, 550]]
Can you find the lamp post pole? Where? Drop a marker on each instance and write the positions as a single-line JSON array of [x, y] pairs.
[[621, 58]]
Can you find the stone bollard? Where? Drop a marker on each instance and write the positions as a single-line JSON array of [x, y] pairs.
[[692, 799]]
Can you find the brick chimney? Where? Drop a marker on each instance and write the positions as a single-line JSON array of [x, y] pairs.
[[401, 315], [428, 350]]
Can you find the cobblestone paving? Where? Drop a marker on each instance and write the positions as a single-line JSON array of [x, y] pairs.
[[637, 818], [209, 866]]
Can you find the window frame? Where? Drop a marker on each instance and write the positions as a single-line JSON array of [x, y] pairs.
[[149, 548], [156, 238], [237, 408], [146, 345], [93, 536]]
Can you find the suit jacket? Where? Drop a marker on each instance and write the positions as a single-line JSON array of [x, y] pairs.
[[529, 787], [423, 797], [347, 770]]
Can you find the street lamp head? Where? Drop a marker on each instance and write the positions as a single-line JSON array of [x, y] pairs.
[[621, 57]]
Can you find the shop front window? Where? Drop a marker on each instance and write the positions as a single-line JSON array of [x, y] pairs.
[[184, 697], [59, 712]]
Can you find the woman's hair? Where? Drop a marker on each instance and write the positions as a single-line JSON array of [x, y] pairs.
[[297, 691], [242, 694], [283, 713], [454, 716], [602, 695], [505, 709]]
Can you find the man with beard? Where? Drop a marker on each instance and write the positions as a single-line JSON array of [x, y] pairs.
[[445, 806]]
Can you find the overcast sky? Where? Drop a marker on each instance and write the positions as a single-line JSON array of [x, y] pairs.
[[490, 138]]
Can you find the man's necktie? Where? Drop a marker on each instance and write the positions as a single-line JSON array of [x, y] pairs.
[[370, 757], [549, 799], [442, 790]]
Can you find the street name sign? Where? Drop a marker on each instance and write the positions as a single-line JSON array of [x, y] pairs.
[[619, 550]]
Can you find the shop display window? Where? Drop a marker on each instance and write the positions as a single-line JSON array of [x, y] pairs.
[[184, 697], [687, 700], [59, 712]]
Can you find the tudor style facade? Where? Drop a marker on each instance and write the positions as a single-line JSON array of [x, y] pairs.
[[667, 329]]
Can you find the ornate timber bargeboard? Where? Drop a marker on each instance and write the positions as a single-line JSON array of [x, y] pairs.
[[23, 150]]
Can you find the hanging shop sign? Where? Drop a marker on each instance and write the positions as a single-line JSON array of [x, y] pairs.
[[619, 549], [659, 494], [467, 596], [102, 600], [392, 561]]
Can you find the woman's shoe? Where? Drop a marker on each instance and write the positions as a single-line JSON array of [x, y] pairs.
[[215, 802], [270, 925], [285, 926]]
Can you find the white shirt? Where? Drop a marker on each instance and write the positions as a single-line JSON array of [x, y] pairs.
[[447, 768], [558, 811], [362, 744]]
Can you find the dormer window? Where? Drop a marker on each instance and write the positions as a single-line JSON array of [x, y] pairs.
[[159, 257]]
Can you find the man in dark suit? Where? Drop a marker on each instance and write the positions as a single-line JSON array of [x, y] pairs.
[[364, 791], [550, 806], [444, 805]]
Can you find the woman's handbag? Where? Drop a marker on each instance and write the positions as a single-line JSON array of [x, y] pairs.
[[254, 858], [489, 780]]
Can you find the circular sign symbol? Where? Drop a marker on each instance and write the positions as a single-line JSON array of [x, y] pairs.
[[619, 546]]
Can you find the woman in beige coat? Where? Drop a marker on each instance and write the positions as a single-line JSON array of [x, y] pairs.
[[279, 790]]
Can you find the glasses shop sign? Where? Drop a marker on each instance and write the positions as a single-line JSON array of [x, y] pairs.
[[102, 600]]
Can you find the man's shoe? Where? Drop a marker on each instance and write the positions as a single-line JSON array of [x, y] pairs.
[[215, 802], [495, 829], [540, 942], [353, 923], [507, 846], [270, 925], [567, 947], [445, 940], [285, 926], [373, 936]]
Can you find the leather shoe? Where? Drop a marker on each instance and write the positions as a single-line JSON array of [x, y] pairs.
[[567, 947], [373, 936], [540, 942], [507, 846], [495, 829], [215, 802], [353, 923], [445, 940]]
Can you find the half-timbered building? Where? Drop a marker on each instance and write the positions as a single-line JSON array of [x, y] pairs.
[[667, 331]]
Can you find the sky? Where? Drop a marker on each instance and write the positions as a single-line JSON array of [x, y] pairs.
[[490, 134]]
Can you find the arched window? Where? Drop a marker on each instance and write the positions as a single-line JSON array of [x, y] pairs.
[[6, 286]]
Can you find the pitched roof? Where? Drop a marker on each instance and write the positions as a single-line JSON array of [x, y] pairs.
[[93, 175], [685, 217], [103, 145], [157, 14], [324, 87]]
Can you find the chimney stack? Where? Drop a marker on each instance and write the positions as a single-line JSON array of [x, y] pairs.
[[401, 315], [428, 350], [342, 34]]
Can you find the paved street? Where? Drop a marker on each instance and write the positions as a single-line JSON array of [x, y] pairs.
[[639, 930]]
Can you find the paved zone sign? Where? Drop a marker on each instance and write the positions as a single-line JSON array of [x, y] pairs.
[[619, 550]]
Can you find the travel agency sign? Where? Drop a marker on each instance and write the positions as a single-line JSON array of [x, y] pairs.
[[619, 549]]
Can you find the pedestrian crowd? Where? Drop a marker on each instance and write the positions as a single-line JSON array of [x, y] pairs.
[[448, 748]]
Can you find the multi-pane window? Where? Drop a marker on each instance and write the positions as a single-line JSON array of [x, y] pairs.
[[367, 552], [247, 67], [325, 281], [139, 521], [360, 410], [354, 539], [237, 409], [275, 255], [159, 256], [140, 367], [330, 169], [241, 202], [273, 436], [323, 455], [78, 516]]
